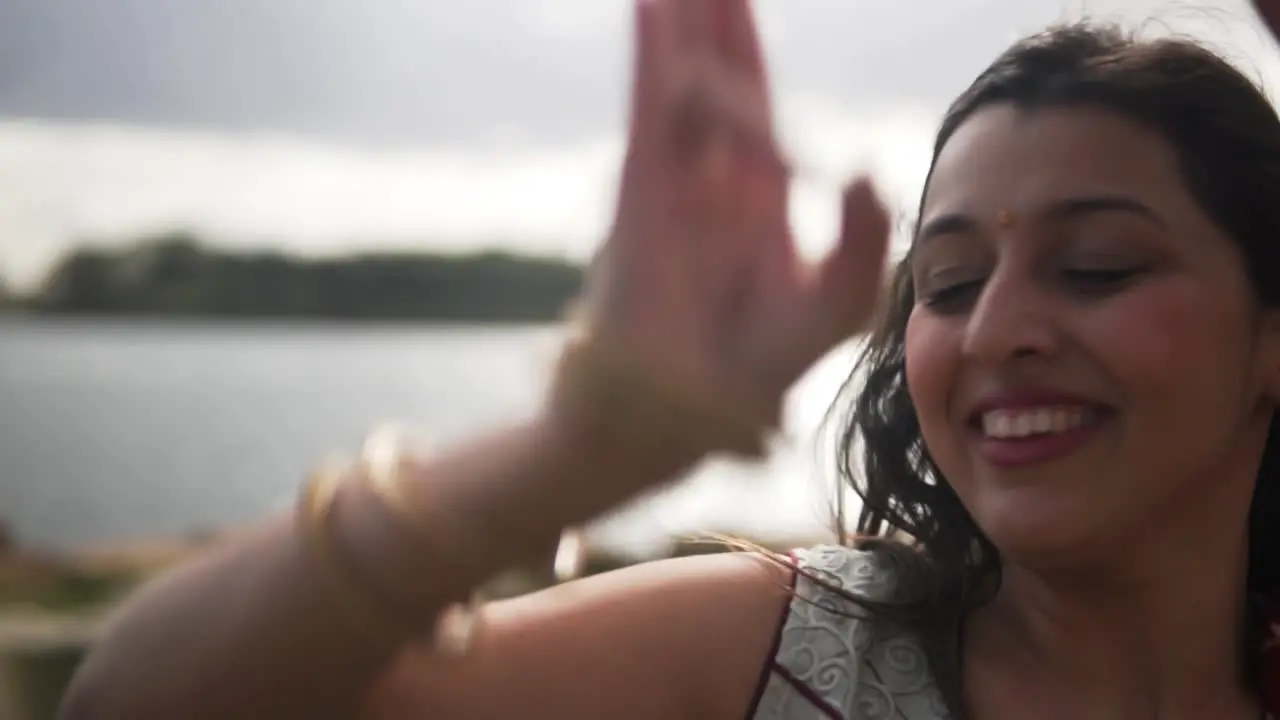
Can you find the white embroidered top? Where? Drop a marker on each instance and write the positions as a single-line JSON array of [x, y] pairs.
[[832, 665]]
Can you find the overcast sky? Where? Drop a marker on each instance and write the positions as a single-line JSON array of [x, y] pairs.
[[328, 125]]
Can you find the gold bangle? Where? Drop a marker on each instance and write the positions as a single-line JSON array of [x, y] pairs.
[[571, 555], [454, 631], [381, 463], [362, 607]]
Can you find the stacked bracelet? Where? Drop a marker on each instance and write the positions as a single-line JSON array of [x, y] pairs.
[[364, 608], [380, 471], [599, 382]]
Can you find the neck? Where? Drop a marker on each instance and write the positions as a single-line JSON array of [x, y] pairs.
[[1152, 634]]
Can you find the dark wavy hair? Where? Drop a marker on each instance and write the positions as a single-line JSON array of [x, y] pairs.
[[1227, 138]]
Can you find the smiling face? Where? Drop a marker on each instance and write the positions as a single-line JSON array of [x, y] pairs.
[[1085, 356]]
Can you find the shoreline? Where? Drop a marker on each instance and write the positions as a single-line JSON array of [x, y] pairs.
[[115, 321]]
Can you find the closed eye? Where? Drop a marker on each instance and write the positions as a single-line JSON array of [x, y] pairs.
[[1099, 279], [954, 297]]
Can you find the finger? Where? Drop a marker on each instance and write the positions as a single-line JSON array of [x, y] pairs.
[[739, 40], [849, 279], [695, 26], [711, 100], [682, 85], [653, 58], [722, 34]]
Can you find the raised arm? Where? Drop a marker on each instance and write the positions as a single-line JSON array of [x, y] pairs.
[[697, 317], [254, 630]]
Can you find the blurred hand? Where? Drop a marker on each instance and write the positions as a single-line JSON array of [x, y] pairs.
[[700, 277]]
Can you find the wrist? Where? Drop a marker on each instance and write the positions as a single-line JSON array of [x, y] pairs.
[[481, 507], [612, 404], [476, 509], [603, 460], [441, 526]]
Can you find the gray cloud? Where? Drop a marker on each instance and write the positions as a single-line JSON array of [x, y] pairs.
[[456, 72], [386, 70]]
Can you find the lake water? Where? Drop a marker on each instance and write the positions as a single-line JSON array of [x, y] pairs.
[[123, 429]]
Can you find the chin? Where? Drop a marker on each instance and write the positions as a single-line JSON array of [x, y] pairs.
[[1033, 527]]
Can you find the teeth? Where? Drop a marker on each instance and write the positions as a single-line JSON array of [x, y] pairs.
[[1026, 422]]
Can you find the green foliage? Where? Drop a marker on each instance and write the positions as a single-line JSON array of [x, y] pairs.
[[38, 681], [69, 590], [174, 275]]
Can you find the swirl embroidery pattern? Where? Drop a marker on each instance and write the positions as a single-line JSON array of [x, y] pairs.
[[832, 664]]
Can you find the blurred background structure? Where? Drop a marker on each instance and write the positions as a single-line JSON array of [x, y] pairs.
[[234, 235]]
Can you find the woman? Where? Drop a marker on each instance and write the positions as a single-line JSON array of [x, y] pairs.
[[1067, 404]]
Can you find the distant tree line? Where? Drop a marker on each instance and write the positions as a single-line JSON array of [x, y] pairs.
[[176, 275]]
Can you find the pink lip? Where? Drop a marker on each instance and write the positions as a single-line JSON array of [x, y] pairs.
[[1028, 398], [1020, 452], [1033, 450]]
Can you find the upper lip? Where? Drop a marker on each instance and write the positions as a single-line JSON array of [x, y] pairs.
[[1025, 398]]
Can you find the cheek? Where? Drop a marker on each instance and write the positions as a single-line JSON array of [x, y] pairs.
[[1160, 344], [933, 359]]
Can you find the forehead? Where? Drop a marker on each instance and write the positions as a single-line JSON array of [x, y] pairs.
[[1006, 158]]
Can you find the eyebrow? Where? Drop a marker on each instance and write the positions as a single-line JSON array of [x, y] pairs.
[[952, 223]]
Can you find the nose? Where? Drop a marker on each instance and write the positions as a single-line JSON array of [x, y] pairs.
[[1012, 319]]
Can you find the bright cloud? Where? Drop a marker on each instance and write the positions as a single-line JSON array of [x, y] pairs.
[[66, 183]]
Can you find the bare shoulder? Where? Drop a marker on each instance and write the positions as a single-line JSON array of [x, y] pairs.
[[674, 638]]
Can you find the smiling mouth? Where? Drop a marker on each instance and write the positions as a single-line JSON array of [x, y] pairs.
[[1007, 424]]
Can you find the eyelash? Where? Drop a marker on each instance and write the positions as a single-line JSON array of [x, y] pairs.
[[1086, 282], [948, 298], [1103, 280]]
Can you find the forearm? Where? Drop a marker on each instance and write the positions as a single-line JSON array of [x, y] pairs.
[[247, 630], [253, 631]]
